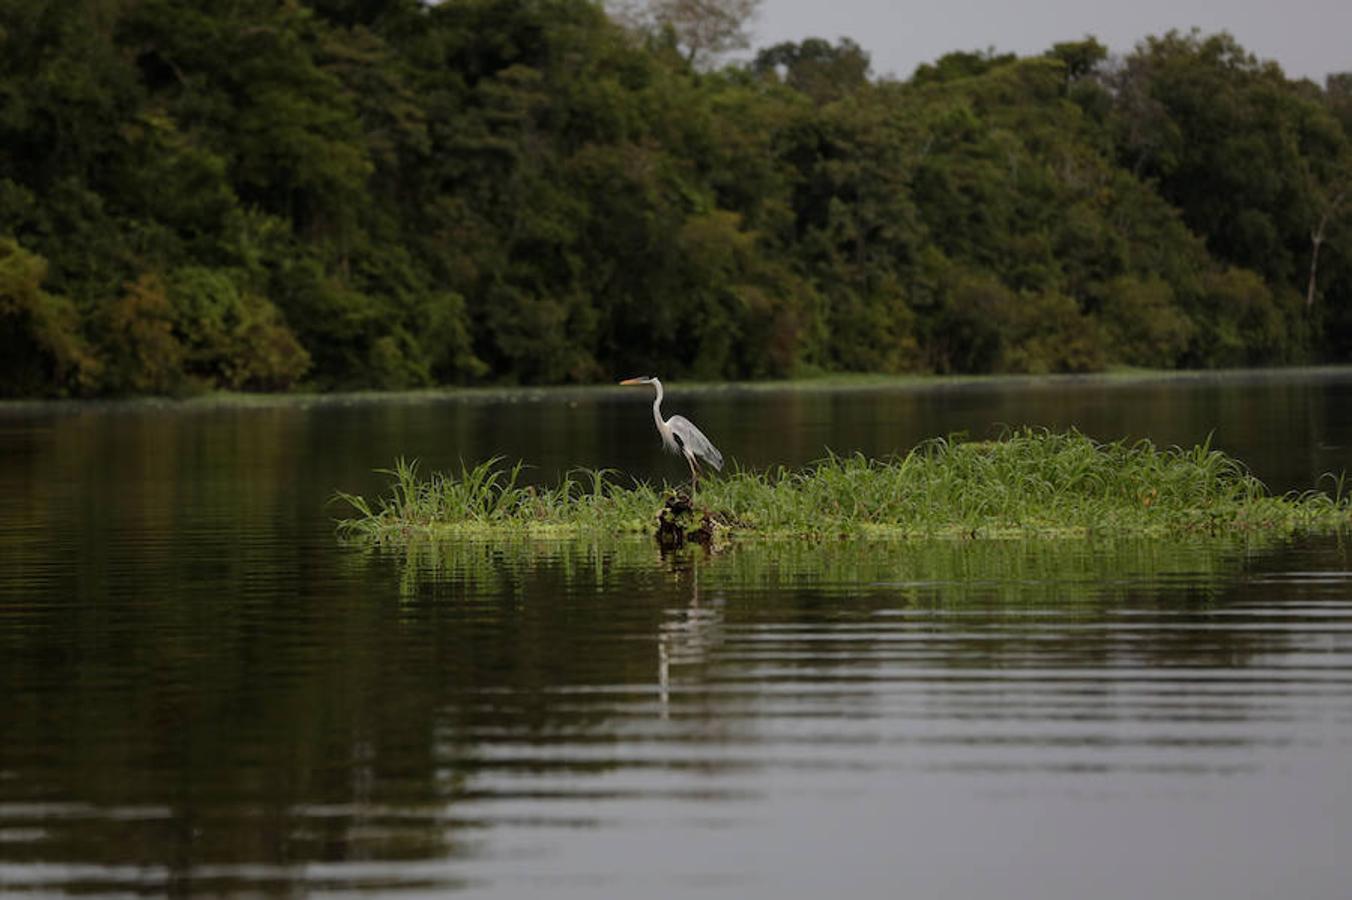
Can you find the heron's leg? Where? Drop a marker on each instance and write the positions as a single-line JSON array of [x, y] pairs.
[[694, 475]]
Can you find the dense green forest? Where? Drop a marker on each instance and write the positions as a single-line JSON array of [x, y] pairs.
[[267, 194]]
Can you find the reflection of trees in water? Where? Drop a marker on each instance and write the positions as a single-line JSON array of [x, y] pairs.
[[338, 718], [178, 738]]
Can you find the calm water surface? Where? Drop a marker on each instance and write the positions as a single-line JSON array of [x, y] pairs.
[[202, 693]]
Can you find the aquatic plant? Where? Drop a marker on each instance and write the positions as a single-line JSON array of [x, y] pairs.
[[1029, 483]]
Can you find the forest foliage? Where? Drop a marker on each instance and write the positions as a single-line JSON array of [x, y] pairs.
[[263, 195]]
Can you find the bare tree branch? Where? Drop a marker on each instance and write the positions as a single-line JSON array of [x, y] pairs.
[[703, 29]]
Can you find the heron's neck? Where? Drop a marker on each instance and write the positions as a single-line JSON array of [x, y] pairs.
[[657, 406]]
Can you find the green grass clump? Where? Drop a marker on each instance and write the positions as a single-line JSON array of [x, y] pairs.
[[1029, 483], [489, 498]]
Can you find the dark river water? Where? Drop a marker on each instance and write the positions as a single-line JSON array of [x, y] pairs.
[[203, 693]]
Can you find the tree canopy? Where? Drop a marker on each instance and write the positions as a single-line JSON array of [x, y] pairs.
[[340, 193]]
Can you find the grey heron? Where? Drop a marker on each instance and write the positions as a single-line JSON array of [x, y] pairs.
[[679, 434]]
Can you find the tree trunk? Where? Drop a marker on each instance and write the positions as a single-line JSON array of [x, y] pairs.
[[1316, 239]]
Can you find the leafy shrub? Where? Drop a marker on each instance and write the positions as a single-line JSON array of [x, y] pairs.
[[233, 339], [1142, 324], [986, 327], [873, 328], [143, 353], [1245, 322], [40, 341], [1047, 332]]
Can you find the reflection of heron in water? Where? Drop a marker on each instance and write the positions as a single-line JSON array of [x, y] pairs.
[[679, 434], [686, 637]]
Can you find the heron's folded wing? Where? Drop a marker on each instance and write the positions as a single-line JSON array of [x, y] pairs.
[[694, 439]]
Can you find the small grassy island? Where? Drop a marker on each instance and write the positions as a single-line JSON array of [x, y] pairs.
[[1031, 483]]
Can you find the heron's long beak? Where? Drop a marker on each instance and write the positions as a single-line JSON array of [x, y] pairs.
[[633, 381]]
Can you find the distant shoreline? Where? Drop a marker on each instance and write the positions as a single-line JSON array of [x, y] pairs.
[[844, 382]]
